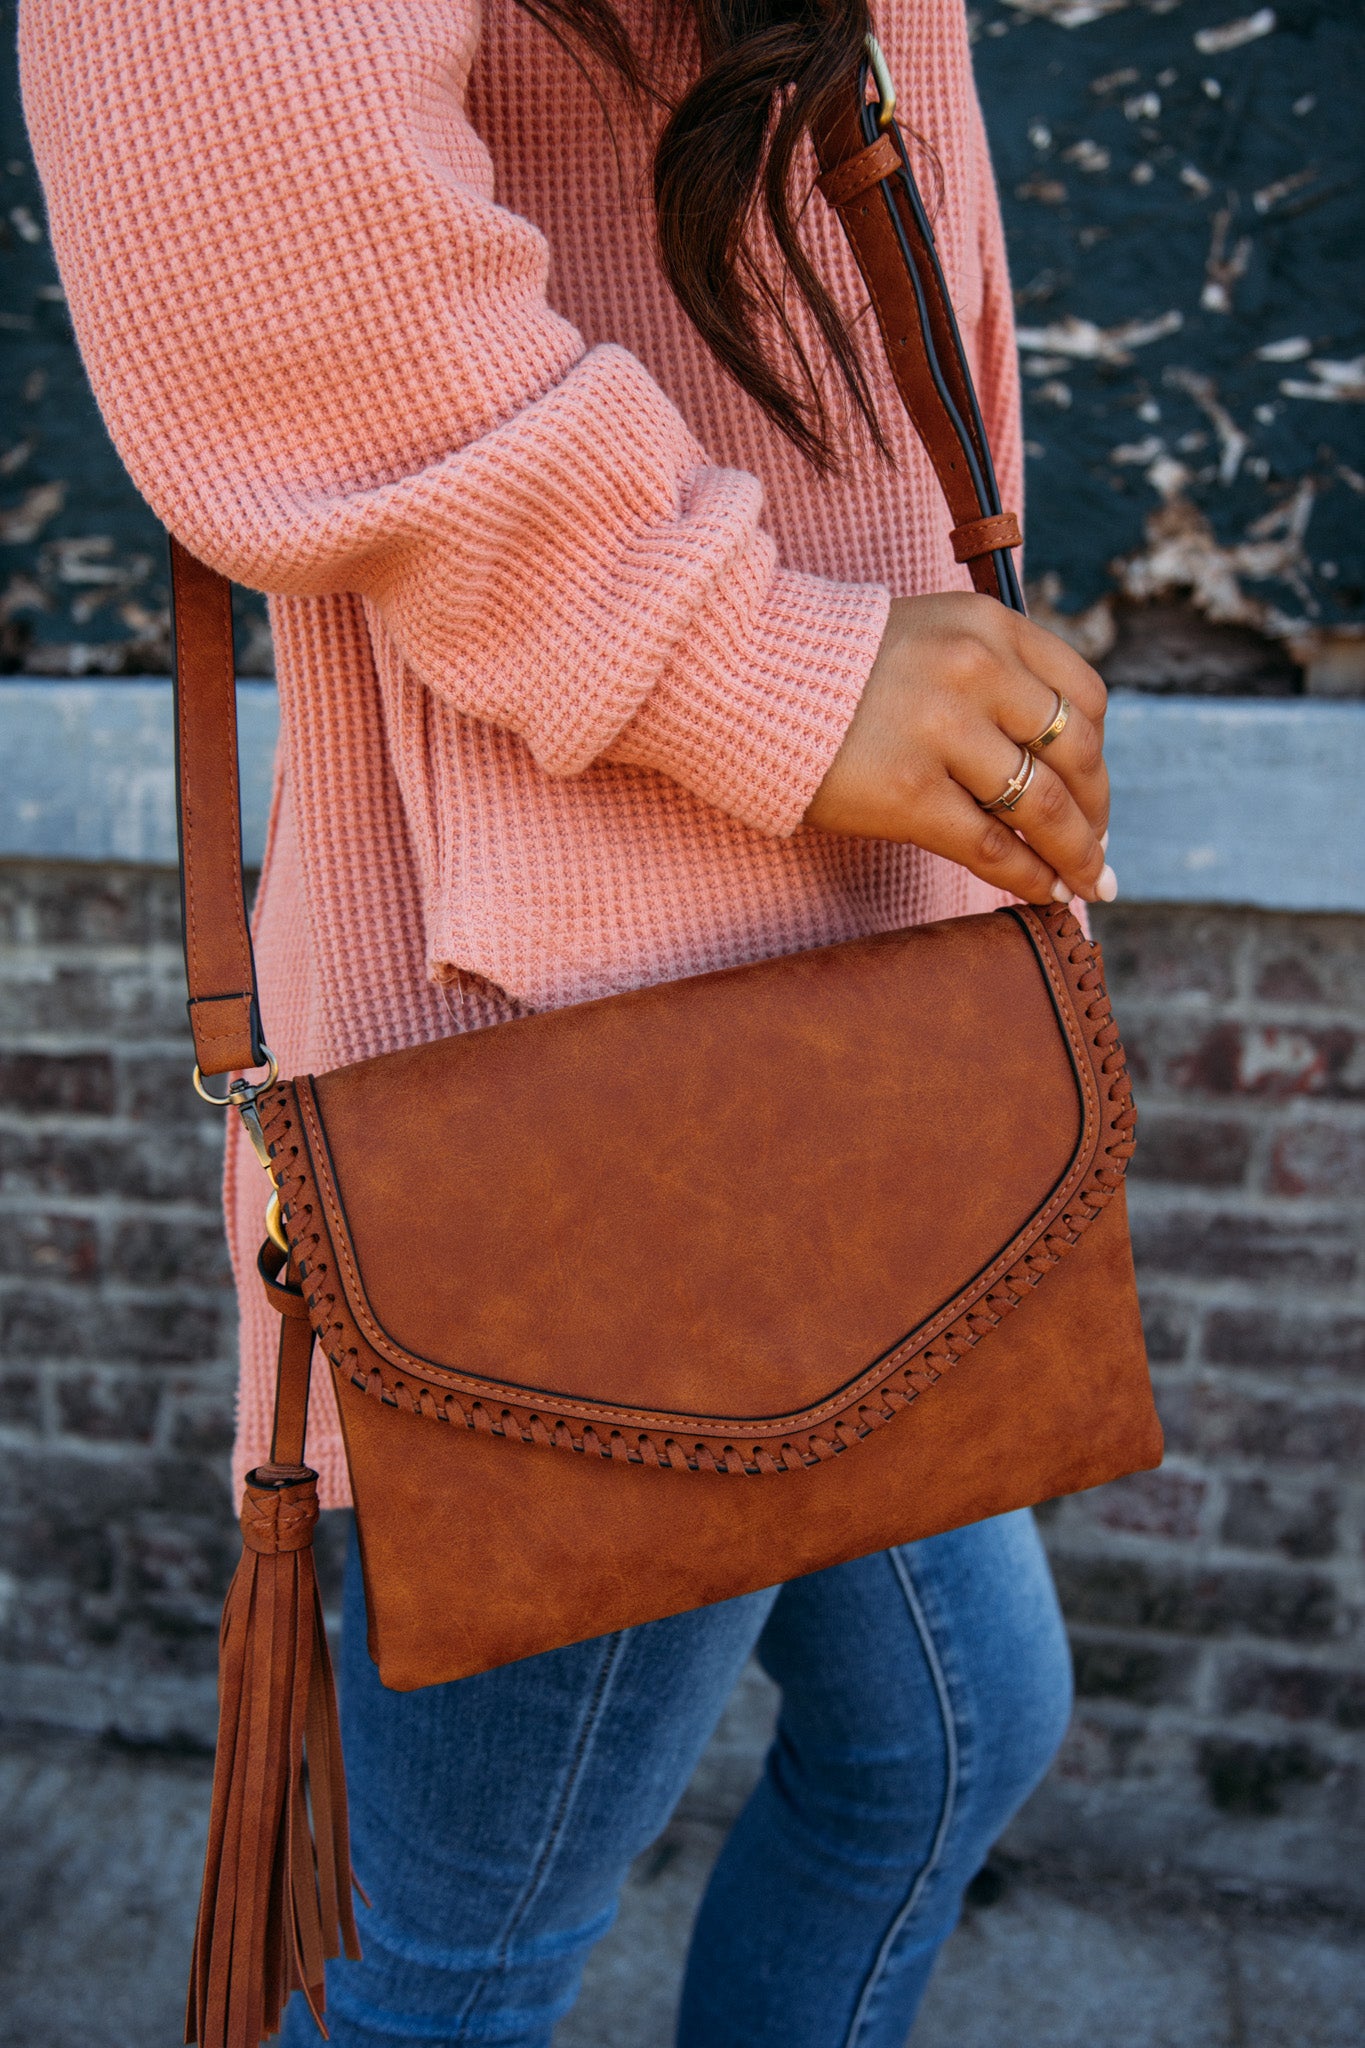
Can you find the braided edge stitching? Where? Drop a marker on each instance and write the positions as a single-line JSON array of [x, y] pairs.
[[906, 1375]]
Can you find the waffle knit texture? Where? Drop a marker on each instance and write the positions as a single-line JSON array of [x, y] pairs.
[[567, 635]]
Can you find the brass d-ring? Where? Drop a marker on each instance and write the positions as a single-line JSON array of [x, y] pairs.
[[881, 72], [240, 1091]]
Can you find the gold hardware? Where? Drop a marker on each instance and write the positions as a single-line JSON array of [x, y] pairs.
[[242, 1096], [886, 90], [274, 1223], [241, 1090]]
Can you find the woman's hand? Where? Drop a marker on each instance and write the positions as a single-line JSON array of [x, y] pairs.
[[959, 684]]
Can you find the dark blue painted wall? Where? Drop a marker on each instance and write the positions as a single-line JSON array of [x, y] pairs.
[[1121, 146]]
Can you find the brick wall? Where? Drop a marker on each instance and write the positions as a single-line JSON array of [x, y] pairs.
[[1215, 1604]]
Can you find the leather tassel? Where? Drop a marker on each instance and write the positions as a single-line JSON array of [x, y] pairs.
[[276, 1902]]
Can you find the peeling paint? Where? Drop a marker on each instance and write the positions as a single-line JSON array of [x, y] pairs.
[[35, 510], [1336, 383], [1085, 341], [1191, 330], [1185, 209], [1181, 554], [1226, 262], [1230, 35]]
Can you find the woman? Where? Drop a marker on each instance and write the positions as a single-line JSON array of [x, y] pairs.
[[610, 649]]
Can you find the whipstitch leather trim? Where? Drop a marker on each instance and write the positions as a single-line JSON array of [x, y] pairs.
[[356, 1347]]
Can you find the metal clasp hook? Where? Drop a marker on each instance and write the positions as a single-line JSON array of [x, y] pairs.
[[242, 1096]]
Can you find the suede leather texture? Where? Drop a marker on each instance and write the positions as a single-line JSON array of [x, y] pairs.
[[661, 1299], [478, 1551], [722, 1198]]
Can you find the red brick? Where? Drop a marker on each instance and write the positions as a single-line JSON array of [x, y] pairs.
[[182, 1559], [154, 1250], [108, 1407], [1213, 1420], [21, 1400], [49, 1247], [1183, 1600], [202, 1425], [1145, 1674], [1255, 1780], [1296, 1692], [1321, 1159], [118, 1551], [1167, 1326], [142, 1165], [1278, 1060], [80, 1083], [1151, 1504], [58, 1519], [53, 1322], [125, 1001], [1312, 1347], [1097, 1751], [1195, 1151], [1311, 960], [157, 1088], [1227, 1244], [1157, 952], [75, 903], [1141, 1045], [1264, 1514]]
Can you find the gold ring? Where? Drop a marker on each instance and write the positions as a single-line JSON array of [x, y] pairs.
[[1050, 732], [1017, 785]]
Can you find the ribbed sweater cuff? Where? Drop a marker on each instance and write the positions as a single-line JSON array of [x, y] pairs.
[[751, 721]]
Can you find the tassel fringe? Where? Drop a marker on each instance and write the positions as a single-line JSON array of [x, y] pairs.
[[276, 1902]]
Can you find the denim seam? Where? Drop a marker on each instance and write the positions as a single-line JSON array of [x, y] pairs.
[[586, 1733], [920, 1623]]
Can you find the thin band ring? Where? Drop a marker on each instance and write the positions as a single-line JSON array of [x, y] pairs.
[[1017, 785], [1050, 732]]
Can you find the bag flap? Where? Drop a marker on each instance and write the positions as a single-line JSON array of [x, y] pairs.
[[735, 1205]]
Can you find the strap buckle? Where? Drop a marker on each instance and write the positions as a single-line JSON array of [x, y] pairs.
[[886, 87]]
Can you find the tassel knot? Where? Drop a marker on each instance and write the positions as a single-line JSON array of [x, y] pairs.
[[277, 1517]]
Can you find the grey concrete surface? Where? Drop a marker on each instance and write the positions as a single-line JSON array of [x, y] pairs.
[[94, 762], [100, 1865]]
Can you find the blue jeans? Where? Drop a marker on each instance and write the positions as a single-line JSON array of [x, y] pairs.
[[924, 1693]]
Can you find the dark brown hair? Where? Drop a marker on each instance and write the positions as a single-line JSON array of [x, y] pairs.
[[723, 186]]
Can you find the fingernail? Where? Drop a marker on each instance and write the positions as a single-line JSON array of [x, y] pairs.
[[1107, 887], [1061, 892], [1104, 842]]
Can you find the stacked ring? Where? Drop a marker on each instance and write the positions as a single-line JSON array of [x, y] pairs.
[[1050, 732], [1017, 785]]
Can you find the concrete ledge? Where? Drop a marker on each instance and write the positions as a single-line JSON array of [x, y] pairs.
[[1216, 800], [1224, 800], [89, 768]]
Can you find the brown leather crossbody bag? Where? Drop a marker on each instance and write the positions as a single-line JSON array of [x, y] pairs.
[[649, 1302]]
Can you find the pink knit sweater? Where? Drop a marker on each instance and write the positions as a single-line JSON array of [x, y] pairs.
[[567, 635]]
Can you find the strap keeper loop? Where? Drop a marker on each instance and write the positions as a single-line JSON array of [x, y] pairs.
[[977, 537], [857, 174]]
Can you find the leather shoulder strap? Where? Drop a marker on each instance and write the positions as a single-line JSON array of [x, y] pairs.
[[866, 177], [224, 1012]]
